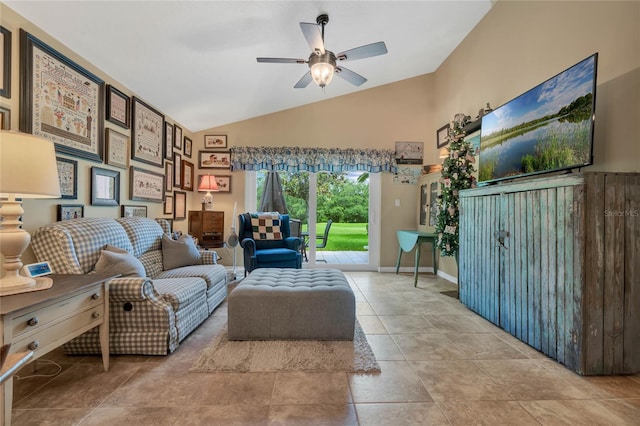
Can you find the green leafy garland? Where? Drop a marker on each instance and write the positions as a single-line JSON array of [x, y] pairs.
[[457, 174]]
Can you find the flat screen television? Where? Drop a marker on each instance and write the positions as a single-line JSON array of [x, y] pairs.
[[547, 129]]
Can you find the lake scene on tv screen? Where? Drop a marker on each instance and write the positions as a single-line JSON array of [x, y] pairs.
[[547, 128]]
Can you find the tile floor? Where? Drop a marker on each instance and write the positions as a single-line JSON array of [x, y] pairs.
[[441, 364]]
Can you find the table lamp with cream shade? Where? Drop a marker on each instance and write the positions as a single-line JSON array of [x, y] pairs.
[[28, 169], [207, 183]]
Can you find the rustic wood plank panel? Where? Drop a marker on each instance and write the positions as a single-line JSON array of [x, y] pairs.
[[463, 255], [613, 283], [511, 264], [632, 275], [561, 333], [497, 254], [579, 250], [552, 250], [535, 272], [531, 329], [524, 264], [594, 273], [544, 271]]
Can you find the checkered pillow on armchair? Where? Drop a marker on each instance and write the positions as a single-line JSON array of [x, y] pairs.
[[266, 226]]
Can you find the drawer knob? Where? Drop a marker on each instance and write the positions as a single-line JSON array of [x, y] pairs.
[[95, 315], [33, 345], [95, 296], [33, 322]]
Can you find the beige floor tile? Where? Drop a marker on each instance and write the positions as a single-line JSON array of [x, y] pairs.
[[325, 415], [49, 416], [519, 345], [400, 324], [458, 324], [241, 414], [384, 348], [583, 412], [458, 381], [484, 346], [79, 386], [397, 382], [401, 414], [310, 388], [363, 308], [437, 306], [526, 379], [371, 324], [427, 347], [490, 413]]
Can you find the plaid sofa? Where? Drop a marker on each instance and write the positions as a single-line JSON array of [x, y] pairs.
[[149, 315]]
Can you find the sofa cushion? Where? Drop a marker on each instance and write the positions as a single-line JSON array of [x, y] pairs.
[[177, 253], [212, 274], [124, 264], [276, 255], [181, 292]]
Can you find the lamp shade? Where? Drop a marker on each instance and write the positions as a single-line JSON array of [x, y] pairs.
[[208, 183], [28, 167], [322, 73]]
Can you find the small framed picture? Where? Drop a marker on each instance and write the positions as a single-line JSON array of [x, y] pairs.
[[168, 204], [105, 187], [5, 118], [68, 178], [168, 141], [118, 107], [145, 185], [70, 211], [214, 160], [147, 134], [179, 205], [177, 136], [117, 149], [177, 170], [168, 176], [224, 182], [215, 141], [188, 144], [5, 58], [187, 175], [442, 136], [131, 211]]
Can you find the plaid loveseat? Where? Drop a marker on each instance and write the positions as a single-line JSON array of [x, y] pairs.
[[149, 315]]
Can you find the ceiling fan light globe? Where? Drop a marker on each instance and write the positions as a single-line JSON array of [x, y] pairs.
[[322, 73]]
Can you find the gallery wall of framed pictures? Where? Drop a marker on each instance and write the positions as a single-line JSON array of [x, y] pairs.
[[116, 153]]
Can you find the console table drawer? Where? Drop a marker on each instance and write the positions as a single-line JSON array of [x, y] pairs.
[[61, 331], [37, 319]]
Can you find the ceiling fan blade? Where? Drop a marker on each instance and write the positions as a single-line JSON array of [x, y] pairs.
[[304, 81], [313, 34], [366, 51], [282, 60], [352, 77]]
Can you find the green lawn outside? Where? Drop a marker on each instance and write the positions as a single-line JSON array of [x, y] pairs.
[[345, 236]]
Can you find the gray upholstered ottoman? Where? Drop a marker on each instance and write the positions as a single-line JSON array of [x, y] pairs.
[[285, 304]]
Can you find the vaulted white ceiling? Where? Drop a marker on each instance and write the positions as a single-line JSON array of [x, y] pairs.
[[196, 60]]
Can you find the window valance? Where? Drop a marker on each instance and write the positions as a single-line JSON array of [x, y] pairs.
[[292, 159]]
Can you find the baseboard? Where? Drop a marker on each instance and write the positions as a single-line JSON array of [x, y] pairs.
[[448, 277], [407, 269]]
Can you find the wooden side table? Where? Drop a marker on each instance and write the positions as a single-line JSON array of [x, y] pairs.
[[41, 321]]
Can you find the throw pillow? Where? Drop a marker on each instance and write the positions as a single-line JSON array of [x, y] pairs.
[[266, 226], [114, 249], [124, 264], [180, 252]]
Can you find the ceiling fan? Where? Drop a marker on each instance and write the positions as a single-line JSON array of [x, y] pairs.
[[322, 62]]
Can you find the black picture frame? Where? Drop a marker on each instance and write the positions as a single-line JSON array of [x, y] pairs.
[[81, 133], [147, 133], [68, 178], [188, 147], [69, 211], [116, 112], [5, 89], [5, 118], [442, 136], [105, 187], [177, 170], [177, 137], [168, 141]]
